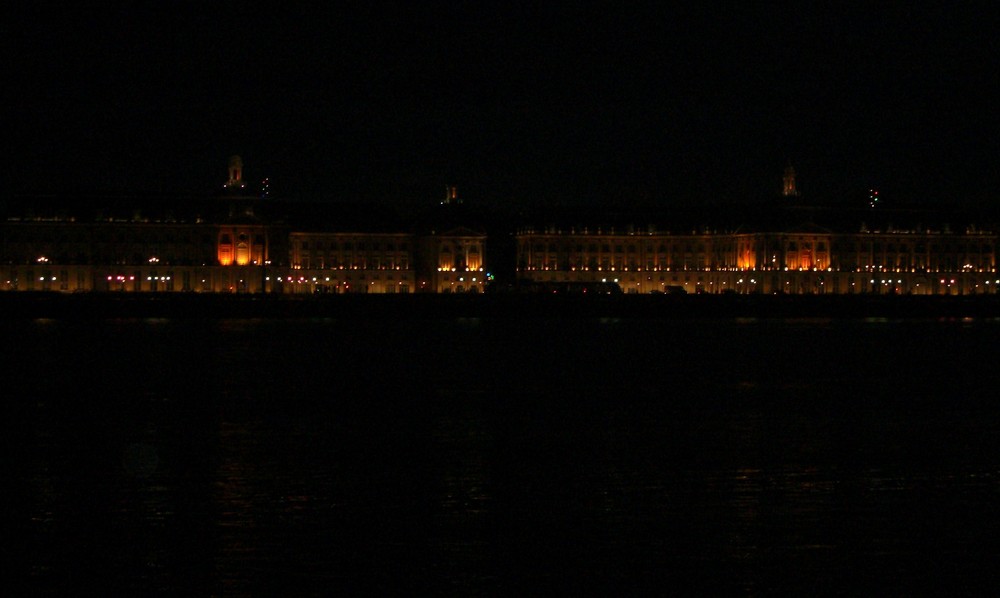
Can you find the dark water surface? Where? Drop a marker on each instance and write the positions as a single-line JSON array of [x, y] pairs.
[[502, 457]]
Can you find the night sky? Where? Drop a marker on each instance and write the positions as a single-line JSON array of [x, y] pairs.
[[515, 103]]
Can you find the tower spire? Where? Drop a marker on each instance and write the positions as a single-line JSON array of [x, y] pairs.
[[235, 172], [451, 195], [788, 187]]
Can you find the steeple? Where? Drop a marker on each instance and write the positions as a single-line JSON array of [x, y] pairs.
[[451, 195], [235, 172], [788, 188]]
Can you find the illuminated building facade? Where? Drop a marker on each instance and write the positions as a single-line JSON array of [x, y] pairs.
[[783, 246], [805, 260], [232, 243], [241, 243], [324, 262], [126, 255], [455, 261]]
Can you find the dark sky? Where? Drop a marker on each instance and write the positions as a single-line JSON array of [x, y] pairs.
[[513, 102]]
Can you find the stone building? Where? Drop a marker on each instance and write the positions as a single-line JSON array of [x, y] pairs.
[[244, 242], [233, 242], [778, 248]]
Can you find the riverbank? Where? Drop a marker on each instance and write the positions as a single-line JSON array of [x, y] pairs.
[[196, 305]]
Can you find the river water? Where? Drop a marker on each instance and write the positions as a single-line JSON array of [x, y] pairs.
[[502, 456]]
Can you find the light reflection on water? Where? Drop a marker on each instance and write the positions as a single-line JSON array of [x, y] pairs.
[[247, 458]]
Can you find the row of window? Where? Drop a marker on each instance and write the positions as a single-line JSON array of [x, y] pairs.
[[335, 264], [820, 246], [61, 238], [351, 246]]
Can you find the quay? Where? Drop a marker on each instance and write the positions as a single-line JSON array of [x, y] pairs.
[[241, 306]]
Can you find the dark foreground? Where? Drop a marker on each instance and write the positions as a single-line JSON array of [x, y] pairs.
[[194, 305], [501, 456]]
